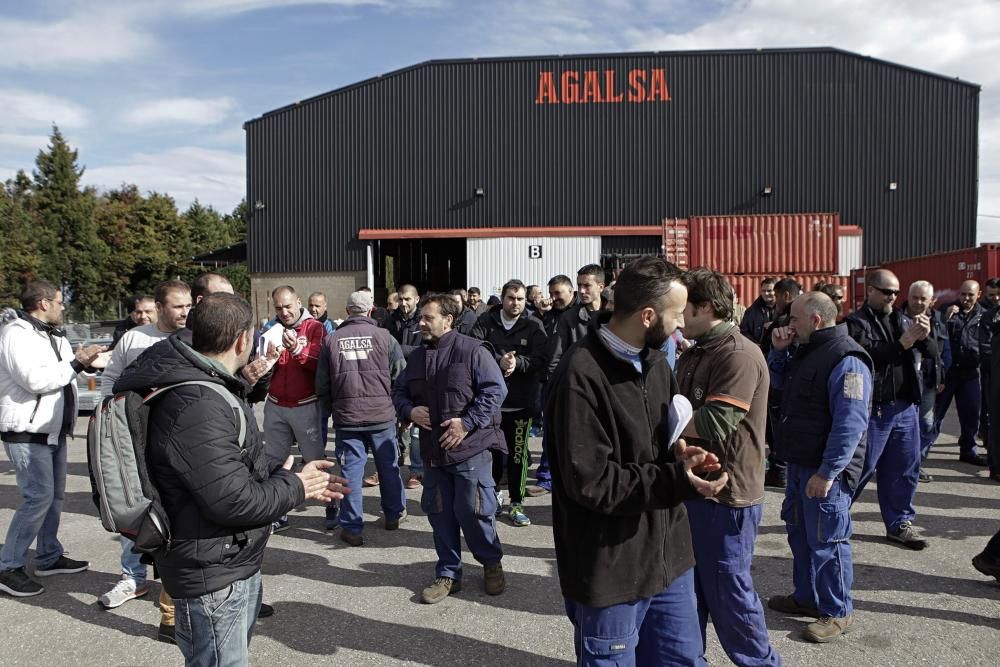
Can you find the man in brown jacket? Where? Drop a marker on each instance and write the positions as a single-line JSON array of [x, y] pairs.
[[726, 379]]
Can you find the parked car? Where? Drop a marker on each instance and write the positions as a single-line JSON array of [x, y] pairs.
[[89, 383]]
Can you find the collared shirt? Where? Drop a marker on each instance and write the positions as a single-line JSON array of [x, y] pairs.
[[620, 348]]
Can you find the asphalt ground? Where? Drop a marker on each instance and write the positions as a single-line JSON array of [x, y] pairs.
[[337, 604]]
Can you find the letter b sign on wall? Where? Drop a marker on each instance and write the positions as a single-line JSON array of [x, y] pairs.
[[534, 252]]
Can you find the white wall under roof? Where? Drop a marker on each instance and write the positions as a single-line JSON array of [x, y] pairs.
[[492, 262]]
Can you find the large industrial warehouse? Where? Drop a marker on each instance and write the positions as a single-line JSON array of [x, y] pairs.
[[459, 172]]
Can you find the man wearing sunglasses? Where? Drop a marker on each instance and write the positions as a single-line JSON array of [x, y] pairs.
[[896, 344]]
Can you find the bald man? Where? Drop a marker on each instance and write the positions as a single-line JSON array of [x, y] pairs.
[[962, 379], [896, 343]]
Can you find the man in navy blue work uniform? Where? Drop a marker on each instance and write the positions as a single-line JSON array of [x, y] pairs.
[[991, 306], [962, 380], [623, 543], [896, 344], [726, 379], [452, 389], [826, 388]]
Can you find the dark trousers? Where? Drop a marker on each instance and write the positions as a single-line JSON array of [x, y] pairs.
[[515, 426], [968, 399], [775, 465]]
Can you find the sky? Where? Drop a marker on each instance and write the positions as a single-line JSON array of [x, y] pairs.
[[155, 92]]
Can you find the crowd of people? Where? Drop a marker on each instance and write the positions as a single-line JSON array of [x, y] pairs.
[[664, 407]]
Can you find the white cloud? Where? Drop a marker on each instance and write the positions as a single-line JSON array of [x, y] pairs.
[[23, 141], [187, 173], [180, 111], [221, 7], [27, 109]]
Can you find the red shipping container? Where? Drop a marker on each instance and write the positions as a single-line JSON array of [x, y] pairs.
[[762, 244], [747, 287], [947, 270], [676, 241]]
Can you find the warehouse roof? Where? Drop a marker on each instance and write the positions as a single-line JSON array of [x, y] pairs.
[[709, 52]]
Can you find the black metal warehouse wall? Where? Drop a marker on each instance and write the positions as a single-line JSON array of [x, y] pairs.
[[825, 129]]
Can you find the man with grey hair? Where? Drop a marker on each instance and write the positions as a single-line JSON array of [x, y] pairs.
[[826, 387], [932, 368], [361, 362]]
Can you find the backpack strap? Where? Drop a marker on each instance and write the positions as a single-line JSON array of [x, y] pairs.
[[241, 418]]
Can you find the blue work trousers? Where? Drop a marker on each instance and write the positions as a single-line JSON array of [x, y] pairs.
[[723, 539], [819, 532], [461, 499], [661, 630], [352, 454], [968, 400], [893, 459]]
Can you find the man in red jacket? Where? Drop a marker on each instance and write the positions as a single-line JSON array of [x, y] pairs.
[[292, 411]]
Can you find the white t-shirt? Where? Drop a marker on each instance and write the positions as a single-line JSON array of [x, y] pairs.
[[129, 347]]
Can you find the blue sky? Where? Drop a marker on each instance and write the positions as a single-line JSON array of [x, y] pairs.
[[154, 92]]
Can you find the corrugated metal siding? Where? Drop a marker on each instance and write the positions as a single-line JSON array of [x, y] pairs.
[[747, 287], [946, 271], [761, 244], [492, 262], [851, 254], [677, 241], [827, 130]]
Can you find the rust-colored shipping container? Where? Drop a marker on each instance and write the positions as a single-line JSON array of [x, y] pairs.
[[676, 241], [806, 243], [946, 270], [747, 287]]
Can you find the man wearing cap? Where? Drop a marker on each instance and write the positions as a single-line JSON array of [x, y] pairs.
[[355, 384]]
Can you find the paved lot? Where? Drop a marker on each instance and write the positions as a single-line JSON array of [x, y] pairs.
[[357, 606]]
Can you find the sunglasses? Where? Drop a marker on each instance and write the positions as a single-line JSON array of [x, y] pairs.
[[888, 292]]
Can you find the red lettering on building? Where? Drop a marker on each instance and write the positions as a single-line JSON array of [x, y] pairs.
[[641, 86], [546, 89], [591, 87], [637, 85], [570, 88]]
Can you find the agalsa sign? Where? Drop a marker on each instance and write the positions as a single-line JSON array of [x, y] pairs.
[[599, 87]]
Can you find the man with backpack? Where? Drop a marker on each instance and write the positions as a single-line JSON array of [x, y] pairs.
[[37, 411], [215, 487]]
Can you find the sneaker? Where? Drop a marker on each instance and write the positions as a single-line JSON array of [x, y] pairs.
[[354, 539], [165, 634], [827, 628], [518, 517], [988, 566], [907, 536], [774, 479], [62, 565], [16, 582], [393, 524], [493, 580], [787, 604], [123, 591], [266, 611], [501, 499], [440, 589], [371, 480], [280, 525], [974, 459], [536, 490], [924, 477], [414, 482], [332, 521]]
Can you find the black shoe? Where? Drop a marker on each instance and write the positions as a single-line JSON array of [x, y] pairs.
[[924, 477], [988, 566], [774, 479], [907, 536], [354, 539], [787, 604], [332, 520], [62, 565], [266, 611], [393, 524], [166, 634], [974, 459], [16, 582], [995, 476]]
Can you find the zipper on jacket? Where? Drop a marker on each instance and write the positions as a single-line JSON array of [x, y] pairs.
[[38, 401], [106, 519]]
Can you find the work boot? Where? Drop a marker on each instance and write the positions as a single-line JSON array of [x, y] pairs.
[[827, 628], [787, 604], [393, 524], [440, 589], [493, 579], [414, 482], [370, 480], [774, 479], [354, 539]]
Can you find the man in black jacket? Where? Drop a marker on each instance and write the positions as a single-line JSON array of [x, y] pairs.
[[623, 544], [896, 345], [217, 492], [786, 291], [518, 341], [573, 323], [760, 313], [404, 325]]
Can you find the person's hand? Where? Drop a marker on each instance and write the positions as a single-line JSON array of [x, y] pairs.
[[698, 461], [101, 361], [421, 416], [781, 338], [288, 338], [911, 336], [255, 370], [454, 433], [951, 311], [940, 388], [87, 355], [318, 484], [508, 362], [817, 487], [924, 323], [273, 352]]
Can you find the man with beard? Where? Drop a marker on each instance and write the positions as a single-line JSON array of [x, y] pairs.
[[895, 344], [141, 311], [475, 301], [404, 325], [623, 543], [827, 386], [575, 320], [452, 389], [317, 308], [760, 313], [518, 342]]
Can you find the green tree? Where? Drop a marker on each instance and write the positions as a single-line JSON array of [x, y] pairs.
[[19, 258]]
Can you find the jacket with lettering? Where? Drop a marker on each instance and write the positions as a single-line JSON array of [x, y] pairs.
[[527, 339]]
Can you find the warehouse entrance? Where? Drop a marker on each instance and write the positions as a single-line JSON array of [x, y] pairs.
[[431, 264]]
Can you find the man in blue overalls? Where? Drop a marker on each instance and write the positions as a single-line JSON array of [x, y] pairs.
[[820, 431]]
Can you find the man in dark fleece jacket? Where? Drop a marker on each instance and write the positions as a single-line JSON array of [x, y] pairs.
[[623, 544], [219, 495]]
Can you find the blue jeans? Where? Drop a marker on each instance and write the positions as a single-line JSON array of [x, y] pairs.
[[968, 400], [819, 532], [893, 459], [352, 454], [41, 479], [461, 499], [928, 422], [214, 630], [410, 439], [132, 566], [723, 539], [661, 630]]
